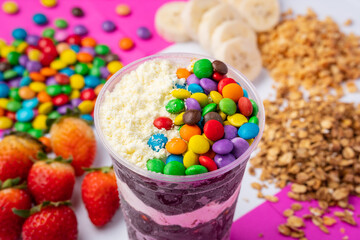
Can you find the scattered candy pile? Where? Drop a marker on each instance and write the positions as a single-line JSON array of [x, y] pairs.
[[217, 127]]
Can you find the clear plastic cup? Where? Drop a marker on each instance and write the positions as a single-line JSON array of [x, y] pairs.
[[165, 207]]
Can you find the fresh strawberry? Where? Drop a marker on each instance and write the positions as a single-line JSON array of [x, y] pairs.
[[51, 179], [16, 153], [73, 137], [49, 221], [12, 196], [100, 195]]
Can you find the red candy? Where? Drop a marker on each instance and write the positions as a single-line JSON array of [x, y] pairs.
[[245, 106], [11, 115], [60, 100], [87, 94], [217, 76], [223, 82], [50, 50], [213, 130], [62, 79], [208, 163], [46, 59], [45, 42], [163, 122], [74, 39]]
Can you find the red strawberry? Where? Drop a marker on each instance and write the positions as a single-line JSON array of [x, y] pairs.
[[16, 151], [49, 221], [51, 179], [100, 195], [73, 137], [12, 197]]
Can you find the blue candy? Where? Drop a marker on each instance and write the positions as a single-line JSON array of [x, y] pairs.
[[157, 142], [87, 117], [76, 48], [25, 115], [25, 81], [248, 130], [19, 69], [173, 157], [178, 85], [30, 103], [19, 33], [4, 90], [92, 81], [245, 93], [40, 19], [67, 71], [195, 88], [1, 76]]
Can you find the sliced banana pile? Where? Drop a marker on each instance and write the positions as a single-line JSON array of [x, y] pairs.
[[226, 28]]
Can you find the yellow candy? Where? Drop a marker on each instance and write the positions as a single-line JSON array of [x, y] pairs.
[[37, 86], [86, 107], [5, 50], [250, 141], [181, 93], [227, 123], [45, 108], [74, 94], [10, 7], [114, 66], [68, 56], [57, 64], [49, 3], [215, 96], [237, 119], [198, 144], [77, 81], [40, 122], [210, 141], [34, 55], [5, 123], [222, 115], [179, 119], [22, 47], [201, 98], [190, 158], [4, 102], [2, 43]]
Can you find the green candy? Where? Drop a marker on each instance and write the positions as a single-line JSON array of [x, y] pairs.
[[48, 32], [53, 90], [95, 71], [54, 115], [9, 74], [196, 169], [13, 58], [155, 165], [61, 23], [174, 168], [82, 68], [98, 62], [211, 107], [13, 106], [227, 106], [103, 81], [16, 42], [14, 94], [102, 49], [203, 68], [22, 126], [26, 73], [66, 89], [175, 106], [36, 133], [254, 119], [255, 108]]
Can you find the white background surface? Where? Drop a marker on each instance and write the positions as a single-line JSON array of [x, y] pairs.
[[339, 10]]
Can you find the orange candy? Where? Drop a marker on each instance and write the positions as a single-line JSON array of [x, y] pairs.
[[48, 72], [44, 97], [37, 77], [233, 91], [84, 57], [47, 143], [176, 146], [98, 89], [126, 43], [182, 73], [2, 112], [88, 42], [26, 93], [187, 131]]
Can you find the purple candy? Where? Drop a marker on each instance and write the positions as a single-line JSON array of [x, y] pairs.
[[4, 132], [143, 33], [89, 50], [62, 109], [60, 36], [33, 66], [32, 40], [240, 146], [104, 72], [192, 103], [108, 26], [230, 132], [75, 102], [208, 85], [15, 82], [192, 79], [36, 112], [51, 81], [223, 160], [80, 30], [23, 59], [222, 146]]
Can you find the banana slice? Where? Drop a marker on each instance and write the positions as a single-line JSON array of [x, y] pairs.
[[193, 12], [262, 15], [242, 54], [168, 22], [212, 19], [231, 29]]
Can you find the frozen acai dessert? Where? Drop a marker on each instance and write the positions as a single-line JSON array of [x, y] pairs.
[[179, 136]]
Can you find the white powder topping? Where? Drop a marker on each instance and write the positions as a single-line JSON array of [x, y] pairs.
[[128, 112]]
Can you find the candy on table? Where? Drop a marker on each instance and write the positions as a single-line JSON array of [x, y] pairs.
[[108, 26], [61, 23], [10, 7], [80, 30], [77, 12], [40, 19], [126, 43], [123, 10], [48, 3], [143, 33]]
